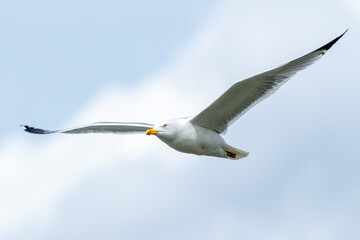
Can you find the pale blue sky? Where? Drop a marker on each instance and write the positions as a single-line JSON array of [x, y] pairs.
[[74, 62], [56, 55]]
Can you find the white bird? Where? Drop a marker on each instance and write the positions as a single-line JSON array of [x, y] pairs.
[[200, 135]]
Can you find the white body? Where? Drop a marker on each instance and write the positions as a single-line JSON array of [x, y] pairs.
[[186, 137]]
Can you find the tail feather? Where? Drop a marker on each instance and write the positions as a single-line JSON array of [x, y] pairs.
[[234, 153]]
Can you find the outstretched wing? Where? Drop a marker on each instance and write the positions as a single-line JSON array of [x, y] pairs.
[[245, 94], [99, 127]]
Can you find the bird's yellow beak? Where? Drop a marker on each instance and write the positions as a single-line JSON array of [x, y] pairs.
[[151, 131]]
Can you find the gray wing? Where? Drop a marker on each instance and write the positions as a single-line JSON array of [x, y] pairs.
[[99, 127], [245, 94]]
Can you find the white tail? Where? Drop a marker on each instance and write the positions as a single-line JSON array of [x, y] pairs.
[[234, 153]]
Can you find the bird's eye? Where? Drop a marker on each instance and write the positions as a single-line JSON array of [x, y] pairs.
[[165, 125]]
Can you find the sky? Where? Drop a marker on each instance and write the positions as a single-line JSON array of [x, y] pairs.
[[68, 63]]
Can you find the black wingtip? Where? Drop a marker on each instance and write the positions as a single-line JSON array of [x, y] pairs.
[[330, 44], [34, 130]]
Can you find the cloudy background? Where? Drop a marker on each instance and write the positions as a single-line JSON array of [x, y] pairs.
[[65, 63]]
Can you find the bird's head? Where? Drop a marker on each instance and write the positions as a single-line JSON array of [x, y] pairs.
[[160, 130], [166, 130]]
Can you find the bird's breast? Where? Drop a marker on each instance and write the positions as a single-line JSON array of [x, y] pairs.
[[197, 140]]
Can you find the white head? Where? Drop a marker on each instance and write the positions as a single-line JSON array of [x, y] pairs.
[[167, 130]]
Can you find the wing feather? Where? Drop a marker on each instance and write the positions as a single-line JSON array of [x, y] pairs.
[[243, 95], [99, 127]]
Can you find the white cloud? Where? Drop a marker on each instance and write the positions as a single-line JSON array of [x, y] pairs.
[[153, 184], [35, 174]]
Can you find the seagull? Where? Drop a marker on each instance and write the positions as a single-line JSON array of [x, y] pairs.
[[201, 134]]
